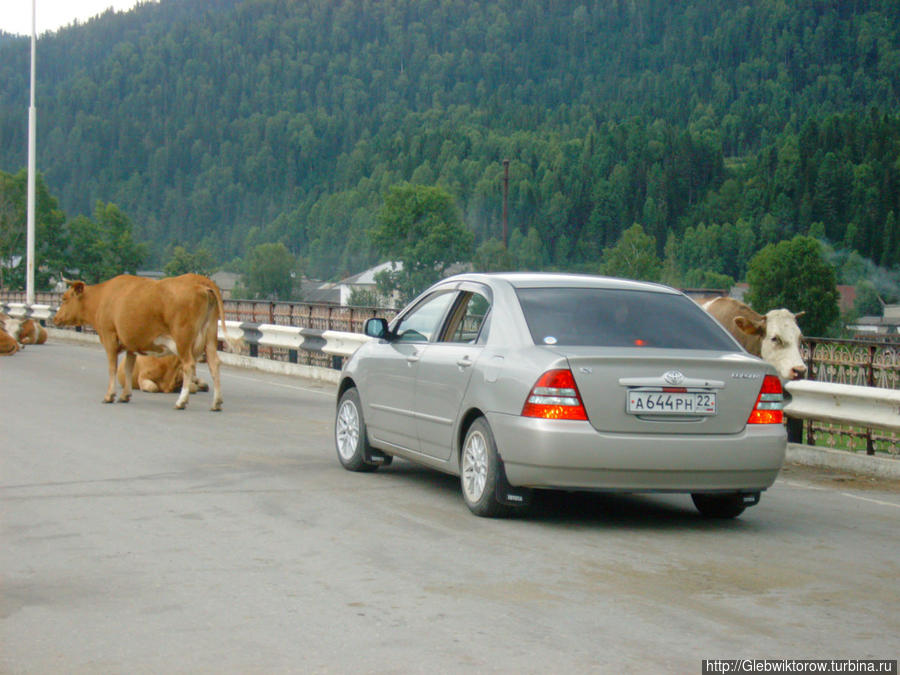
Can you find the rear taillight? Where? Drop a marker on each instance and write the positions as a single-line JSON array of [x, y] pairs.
[[555, 397], [769, 403]]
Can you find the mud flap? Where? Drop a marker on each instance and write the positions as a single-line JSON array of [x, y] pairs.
[[509, 495], [376, 457]]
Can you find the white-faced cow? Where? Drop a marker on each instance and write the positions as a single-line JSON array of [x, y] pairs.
[[158, 374], [176, 315], [775, 337]]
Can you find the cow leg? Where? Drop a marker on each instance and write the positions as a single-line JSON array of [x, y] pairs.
[[198, 385], [112, 358], [212, 360], [187, 370], [125, 396]]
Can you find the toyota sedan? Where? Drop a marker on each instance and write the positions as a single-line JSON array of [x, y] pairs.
[[517, 382]]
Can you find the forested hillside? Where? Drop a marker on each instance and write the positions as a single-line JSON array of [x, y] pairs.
[[718, 126]]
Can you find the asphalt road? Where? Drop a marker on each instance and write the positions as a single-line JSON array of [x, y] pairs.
[[140, 539]]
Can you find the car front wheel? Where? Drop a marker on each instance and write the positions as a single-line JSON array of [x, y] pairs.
[[719, 506], [350, 436], [480, 471]]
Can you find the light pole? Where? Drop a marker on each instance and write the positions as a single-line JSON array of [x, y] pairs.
[[32, 125]]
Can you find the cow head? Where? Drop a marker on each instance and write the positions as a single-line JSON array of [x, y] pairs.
[[779, 337], [71, 309]]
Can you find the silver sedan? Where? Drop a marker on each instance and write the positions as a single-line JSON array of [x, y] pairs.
[[516, 382]]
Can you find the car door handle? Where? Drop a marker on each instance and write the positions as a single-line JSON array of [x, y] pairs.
[[464, 362], [412, 358]]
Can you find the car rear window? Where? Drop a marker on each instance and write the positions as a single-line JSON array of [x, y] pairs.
[[619, 318]]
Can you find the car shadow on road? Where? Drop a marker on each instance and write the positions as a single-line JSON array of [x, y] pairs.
[[583, 508]]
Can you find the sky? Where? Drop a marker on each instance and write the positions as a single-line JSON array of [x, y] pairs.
[[15, 15]]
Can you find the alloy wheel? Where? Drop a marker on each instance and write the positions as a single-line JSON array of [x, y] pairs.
[[475, 466], [347, 431]]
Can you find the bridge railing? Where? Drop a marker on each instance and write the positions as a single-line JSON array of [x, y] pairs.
[[864, 364], [851, 401]]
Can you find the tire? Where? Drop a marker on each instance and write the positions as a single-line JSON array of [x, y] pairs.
[[350, 438], [719, 506], [479, 471]]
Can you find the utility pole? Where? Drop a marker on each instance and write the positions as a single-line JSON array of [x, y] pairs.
[[32, 126], [505, 200]]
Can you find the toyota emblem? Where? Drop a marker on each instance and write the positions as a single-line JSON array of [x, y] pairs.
[[673, 377]]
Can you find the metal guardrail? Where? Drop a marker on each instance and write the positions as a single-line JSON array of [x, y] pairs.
[[19, 310], [311, 315], [844, 404], [331, 342], [863, 363]]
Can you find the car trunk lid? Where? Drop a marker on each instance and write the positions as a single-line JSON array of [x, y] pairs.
[[660, 391]]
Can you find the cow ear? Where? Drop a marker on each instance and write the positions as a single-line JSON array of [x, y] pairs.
[[77, 286], [750, 326], [799, 314]]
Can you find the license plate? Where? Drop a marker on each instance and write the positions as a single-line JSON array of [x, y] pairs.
[[671, 403]]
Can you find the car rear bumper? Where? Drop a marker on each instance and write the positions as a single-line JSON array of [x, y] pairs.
[[574, 455]]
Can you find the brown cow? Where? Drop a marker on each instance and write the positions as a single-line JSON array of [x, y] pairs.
[[775, 337], [32, 333], [8, 344], [158, 374], [176, 315], [11, 328]]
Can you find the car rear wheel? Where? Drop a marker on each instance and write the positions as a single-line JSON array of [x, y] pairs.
[[350, 437], [480, 471], [719, 506]]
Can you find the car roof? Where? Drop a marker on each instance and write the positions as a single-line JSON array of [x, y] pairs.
[[560, 280]]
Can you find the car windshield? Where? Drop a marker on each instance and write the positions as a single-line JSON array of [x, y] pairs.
[[604, 317]]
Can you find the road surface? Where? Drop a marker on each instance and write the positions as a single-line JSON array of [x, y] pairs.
[[140, 539]]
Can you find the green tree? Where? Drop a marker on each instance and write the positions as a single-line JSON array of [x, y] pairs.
[[868, 302], [365, 298], [633, 256], [200, 261], [50, 235], [529, 251], [270, 272], [794, 274], [707, 279], [420, 227], [493, 256], [104, 247]]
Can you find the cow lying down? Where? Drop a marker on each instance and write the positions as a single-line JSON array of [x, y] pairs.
[[32, 333], [9, 333], [8, 344], [775, 337], [158, 374], [135, 315], [24, 331]]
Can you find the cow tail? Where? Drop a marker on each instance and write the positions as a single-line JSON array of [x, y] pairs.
[[231, 344]]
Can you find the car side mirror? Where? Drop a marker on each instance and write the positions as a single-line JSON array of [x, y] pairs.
[[376, 328]]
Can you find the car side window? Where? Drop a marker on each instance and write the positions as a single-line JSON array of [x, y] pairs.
[[469, 321], [423, 321]]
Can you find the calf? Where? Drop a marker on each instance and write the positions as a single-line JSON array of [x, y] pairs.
[[32, 333], [775, 337], [158, 374], [135, 315]]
